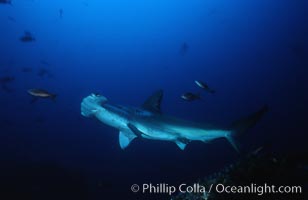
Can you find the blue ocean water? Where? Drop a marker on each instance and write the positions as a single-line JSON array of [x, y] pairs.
[[251, 52]]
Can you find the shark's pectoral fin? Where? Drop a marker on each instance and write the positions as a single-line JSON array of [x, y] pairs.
[[135, 130], [181, 144], [125, 139]]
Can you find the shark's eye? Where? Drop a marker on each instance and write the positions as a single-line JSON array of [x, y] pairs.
[[96, 95]]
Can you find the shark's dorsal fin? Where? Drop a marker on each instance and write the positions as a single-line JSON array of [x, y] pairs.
[[125, 138], [152, 104]]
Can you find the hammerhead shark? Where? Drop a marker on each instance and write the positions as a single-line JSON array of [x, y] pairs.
[[149, 122]]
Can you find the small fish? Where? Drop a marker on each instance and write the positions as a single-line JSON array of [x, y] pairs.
[[26, 69], [6, 2], [184, 48], [86, 4], [12, 19], [43, 62], [205, 86], [41, 93], [44, 72], [61, 13], [188, 96], [27, 37], [257, 151], [4, 81]]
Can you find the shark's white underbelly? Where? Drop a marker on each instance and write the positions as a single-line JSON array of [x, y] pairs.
[[156, 133], [175, 133]]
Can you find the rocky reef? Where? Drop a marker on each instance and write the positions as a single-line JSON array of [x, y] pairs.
[[256, 171]]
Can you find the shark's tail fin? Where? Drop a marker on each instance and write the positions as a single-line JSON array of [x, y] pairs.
[[239, 127]]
